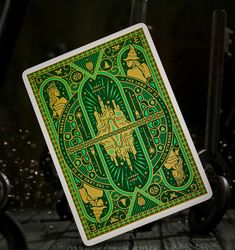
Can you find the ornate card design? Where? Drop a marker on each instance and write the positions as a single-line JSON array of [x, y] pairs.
[[118, 140]]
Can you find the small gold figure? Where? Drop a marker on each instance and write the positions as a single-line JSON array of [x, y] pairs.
[[175, 162], [136, 69], [97, 211], [93, 196], [57, 103]]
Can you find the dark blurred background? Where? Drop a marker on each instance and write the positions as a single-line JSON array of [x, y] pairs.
[[181, 31]]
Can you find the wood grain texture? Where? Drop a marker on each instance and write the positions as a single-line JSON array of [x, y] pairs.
[[225, 232], [45, 231]]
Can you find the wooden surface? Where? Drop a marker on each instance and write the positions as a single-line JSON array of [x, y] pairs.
[[44, 230]]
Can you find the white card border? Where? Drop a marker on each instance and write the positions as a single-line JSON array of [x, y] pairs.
[[55, 159]]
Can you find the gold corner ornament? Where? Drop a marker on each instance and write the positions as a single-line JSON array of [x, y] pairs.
[[175, 163], [57, 103], [136, 69]]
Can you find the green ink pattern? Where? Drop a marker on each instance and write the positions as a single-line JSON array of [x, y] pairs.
[[116, 135]]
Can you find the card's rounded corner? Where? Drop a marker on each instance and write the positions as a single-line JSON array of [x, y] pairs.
[[209, 193], [87, 242], [142, 25], [24, 74]]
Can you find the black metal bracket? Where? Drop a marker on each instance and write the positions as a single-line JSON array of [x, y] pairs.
[[220, 41]]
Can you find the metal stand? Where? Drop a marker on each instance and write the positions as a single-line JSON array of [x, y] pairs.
[[9, 227], [204, 217], [10, 24], [138, 11]]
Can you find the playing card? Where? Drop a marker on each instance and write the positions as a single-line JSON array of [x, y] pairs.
[[116, 135]]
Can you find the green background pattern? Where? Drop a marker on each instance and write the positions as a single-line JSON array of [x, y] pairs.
[[131, 190]]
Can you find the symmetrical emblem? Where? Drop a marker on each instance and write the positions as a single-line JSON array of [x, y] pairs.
[[116, 134]]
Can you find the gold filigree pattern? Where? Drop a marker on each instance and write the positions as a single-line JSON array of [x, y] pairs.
[[119, 145]]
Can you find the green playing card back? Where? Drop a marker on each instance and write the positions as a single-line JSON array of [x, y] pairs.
[[116, 135]]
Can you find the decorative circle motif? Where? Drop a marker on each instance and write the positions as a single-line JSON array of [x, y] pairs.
[[162, 128], [137, 90], [77, 76], [77, 162], [70, 117], [154, 189], [124, 202], [92, 175], [152, 102], [115, 164], [160, 148], [90, 168], [106, 64], [67, 136]]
